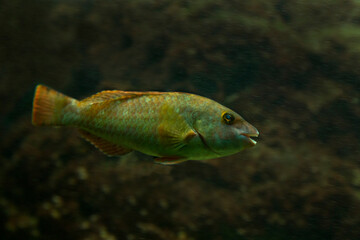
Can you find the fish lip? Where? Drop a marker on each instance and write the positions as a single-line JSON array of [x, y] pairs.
[[249, 135]]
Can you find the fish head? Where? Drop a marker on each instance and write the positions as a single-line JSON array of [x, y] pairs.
[[226, 132]]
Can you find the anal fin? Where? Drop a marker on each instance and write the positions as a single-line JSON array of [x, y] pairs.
[[103, 145]]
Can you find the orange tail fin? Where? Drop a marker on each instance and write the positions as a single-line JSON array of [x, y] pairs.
[[48, 106]]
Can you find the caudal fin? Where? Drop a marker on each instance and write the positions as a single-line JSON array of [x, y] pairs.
[[48, 106]]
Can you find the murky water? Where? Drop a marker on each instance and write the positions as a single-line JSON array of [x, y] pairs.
[[290, 68]]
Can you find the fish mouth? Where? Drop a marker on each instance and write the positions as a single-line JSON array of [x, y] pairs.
[[249, 137], [249, 131]]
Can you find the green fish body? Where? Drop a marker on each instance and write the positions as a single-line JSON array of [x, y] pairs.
[[169, 125]]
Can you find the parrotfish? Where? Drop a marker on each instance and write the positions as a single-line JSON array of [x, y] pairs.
[[171, 126]]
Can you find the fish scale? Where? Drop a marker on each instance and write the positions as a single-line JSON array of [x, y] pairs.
[[172, 126]]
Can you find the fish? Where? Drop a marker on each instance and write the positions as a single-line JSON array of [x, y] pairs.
[[173, 127]]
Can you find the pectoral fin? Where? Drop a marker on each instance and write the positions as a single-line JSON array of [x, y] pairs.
[[103, 145], [174, 138], [174, 131]]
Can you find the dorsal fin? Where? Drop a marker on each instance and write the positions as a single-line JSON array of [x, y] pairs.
[[117, 95], [103, 145]]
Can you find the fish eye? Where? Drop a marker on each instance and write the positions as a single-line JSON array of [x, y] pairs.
[[228, 118]]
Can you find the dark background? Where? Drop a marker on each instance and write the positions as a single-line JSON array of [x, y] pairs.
[[291, 68]]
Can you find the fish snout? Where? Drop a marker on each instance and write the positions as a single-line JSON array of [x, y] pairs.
[[247, 130]]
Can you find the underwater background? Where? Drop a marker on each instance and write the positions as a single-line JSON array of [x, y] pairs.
[[291, 68]]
